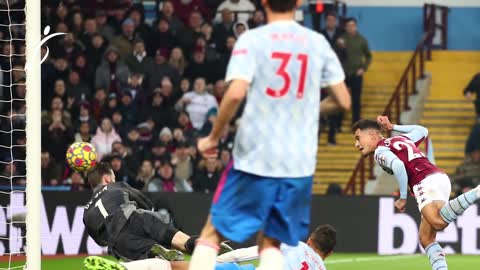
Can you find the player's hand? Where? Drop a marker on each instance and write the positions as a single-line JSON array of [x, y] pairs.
[[360, 72], [384, 122], [208, 147], [469, 96], [400, 205]]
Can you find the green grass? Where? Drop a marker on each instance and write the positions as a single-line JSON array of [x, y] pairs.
[[336, 262]]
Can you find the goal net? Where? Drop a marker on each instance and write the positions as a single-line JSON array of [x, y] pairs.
[[20, 180]]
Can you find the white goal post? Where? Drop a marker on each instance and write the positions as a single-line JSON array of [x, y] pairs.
[[33, 127]]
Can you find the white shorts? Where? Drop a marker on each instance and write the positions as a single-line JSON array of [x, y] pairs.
[[435, 187]]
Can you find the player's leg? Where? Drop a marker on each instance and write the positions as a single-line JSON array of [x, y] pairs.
[[433, 250], [240, 207], [288, 220], [269, 250], [432, 197]]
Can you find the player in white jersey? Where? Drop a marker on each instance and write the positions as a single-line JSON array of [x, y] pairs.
[[308, 255], [267, 188]]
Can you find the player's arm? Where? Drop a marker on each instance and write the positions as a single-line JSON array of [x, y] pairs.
[[142, 201], [333, 77], [338, 99], [387, 159], [239, 255], [415, 133]]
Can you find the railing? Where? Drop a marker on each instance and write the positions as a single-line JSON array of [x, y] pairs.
[[430, 14], [399, 100]]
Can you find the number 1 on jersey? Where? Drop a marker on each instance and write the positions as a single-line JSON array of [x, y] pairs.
[[282, 72], [102, 209], [305, 266]]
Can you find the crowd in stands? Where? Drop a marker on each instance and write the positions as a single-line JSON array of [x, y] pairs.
[[141, 91], [467, 175]]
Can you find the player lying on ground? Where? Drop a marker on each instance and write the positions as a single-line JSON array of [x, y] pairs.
[[309, 255], [399, 155], [268, 186], [121, 217]]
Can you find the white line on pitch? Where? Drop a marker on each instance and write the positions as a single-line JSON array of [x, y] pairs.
[[372, 259]]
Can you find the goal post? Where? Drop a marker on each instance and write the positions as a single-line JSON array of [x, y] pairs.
[[33, 128]]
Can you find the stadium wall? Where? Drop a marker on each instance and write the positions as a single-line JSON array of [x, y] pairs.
[[365, 224], [397, 25]]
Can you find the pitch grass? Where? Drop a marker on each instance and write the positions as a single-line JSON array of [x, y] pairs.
[[344, 261]]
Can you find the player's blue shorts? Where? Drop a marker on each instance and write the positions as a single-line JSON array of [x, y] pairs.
[[234, 266], [245, 204]]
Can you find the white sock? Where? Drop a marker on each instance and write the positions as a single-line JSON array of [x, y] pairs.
[[148, 264], [271, 259], [204, 255]]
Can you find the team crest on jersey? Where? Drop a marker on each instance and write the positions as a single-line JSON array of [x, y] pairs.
[[388, 142]]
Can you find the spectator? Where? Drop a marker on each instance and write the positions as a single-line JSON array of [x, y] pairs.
[[358, 58], [95, 50], [111, 106], [165, 180], [332, 32], [473, 142], [68, 47], [197, 103], [104, 29], [78, 89], [138, 61], [206, 180], [257, 20], [160, 69], [225, 157], [200, 67], [84, 133], [208, 125], [145, 175], [89, 29], [161, 38], [118, 124], [467, 174], [219, 90], [60, 90], [185, 86], [473, 87], [188, 37], [211, 54], [184, 8], [128, 109], [130, 159], [166, 137], [158, 153], [51, 171], [104, 138], [84, 116], [168, 12], [169, 95], [184, 167], [122, 174], [99, 101], [243, 8], [124, 41], [77, 182], [222, 62], [158, 112], [184, 123], [9, 171], [222, 30], [239, 28], [178, 137], [76, 24], [138, 17], [113, 73], [177, 60], [57, 134]]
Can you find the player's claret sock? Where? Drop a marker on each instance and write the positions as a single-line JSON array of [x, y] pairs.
[[452, 209], [436, 256], [271, 259], [204, 256]]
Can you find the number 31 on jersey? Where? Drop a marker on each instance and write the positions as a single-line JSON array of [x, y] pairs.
[[285, 59]]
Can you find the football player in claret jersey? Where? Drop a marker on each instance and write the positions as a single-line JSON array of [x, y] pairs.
[[400, 156], [267, 188]]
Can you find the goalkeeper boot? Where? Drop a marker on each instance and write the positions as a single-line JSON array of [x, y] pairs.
[[161, 252], [99, 263]]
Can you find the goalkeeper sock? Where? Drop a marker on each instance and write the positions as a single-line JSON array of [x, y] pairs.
[[271, 259], [148, 264]]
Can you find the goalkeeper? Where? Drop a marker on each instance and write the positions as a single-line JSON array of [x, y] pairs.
[[121, 217]]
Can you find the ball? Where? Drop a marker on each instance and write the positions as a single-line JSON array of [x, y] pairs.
[[81, 156]]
